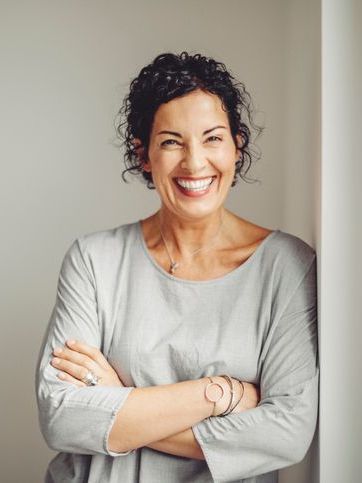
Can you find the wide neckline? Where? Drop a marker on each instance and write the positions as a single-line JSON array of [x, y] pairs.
[[228, 275]]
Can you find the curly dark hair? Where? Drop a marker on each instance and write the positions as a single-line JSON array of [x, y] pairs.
[[170, 76]]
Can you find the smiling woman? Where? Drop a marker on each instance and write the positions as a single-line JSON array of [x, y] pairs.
[[192, 165], [170, 77], [195, 330]]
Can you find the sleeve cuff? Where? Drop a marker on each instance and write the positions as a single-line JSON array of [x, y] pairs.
[[211, 459], [107, 450]]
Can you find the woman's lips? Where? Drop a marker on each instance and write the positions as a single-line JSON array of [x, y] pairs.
[[196, 193]]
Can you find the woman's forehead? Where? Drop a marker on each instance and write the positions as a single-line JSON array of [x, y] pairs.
[[196, 109]]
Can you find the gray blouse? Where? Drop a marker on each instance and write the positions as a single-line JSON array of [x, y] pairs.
[[257, 323]]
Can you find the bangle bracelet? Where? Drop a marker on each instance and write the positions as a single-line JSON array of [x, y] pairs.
[[226, 412], [242, 394], [230, 382], [210, 398]]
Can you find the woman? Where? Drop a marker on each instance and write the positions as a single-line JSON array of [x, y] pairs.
[[182, 347]]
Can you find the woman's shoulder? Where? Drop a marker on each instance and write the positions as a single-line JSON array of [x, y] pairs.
[[107, 241], [294, 246], [291, 255], [281, 247]]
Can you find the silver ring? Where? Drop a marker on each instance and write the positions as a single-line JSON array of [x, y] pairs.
[[90, 379]]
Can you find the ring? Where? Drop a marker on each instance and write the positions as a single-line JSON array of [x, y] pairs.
[[90, 379]]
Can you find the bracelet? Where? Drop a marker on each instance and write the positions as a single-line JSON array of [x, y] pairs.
[[210, 399], [241, 397], [232, 392], [228, 410], [230, 382]]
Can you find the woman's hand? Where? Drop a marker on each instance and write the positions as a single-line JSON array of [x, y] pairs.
[[76, 359]]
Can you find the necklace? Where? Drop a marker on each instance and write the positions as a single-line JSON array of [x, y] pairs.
[[173, 264]]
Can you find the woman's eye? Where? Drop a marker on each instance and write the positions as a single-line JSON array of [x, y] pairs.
[[166, 143], [170, 142], [214, 138]]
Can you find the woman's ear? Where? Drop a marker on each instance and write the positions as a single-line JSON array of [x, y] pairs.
[[239, 144], [140, 152]]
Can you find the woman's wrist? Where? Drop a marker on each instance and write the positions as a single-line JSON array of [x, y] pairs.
[[223, 393], [251, 397], [229, 395], [222, 404]]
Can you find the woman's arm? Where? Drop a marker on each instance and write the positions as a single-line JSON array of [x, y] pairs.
[[278, 432], [77, 358], [91, 420], [185, 444], [74, 419], [153, 413], [180, 444]]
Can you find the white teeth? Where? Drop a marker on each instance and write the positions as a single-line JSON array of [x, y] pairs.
[[197, 185]]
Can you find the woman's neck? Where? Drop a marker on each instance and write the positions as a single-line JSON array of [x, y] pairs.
[[186, 235]]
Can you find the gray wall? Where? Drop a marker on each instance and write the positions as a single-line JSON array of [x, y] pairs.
[[65, 68], [301, 160]]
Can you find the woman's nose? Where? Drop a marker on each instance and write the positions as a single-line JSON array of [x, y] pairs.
[[194, 160]]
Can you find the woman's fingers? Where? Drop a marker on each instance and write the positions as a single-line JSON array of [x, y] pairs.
[[67, 377], [92, 352], [70, 368], [75, 357]]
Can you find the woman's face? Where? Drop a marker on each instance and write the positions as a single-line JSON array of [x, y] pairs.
[[192, 155]]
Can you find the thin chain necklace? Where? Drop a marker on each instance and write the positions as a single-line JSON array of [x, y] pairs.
[[173, 264]]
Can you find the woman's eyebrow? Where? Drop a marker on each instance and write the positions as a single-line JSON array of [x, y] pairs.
[[180, 136]]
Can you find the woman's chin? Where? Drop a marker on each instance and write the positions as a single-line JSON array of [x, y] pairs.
[[197, 207]]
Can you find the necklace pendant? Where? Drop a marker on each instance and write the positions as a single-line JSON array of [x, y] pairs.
[[173, 267]]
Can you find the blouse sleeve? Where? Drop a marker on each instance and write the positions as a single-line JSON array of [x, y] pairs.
[[75, 419], [278, 432]]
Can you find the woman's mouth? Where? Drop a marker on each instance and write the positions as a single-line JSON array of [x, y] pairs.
[[194, 188]]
